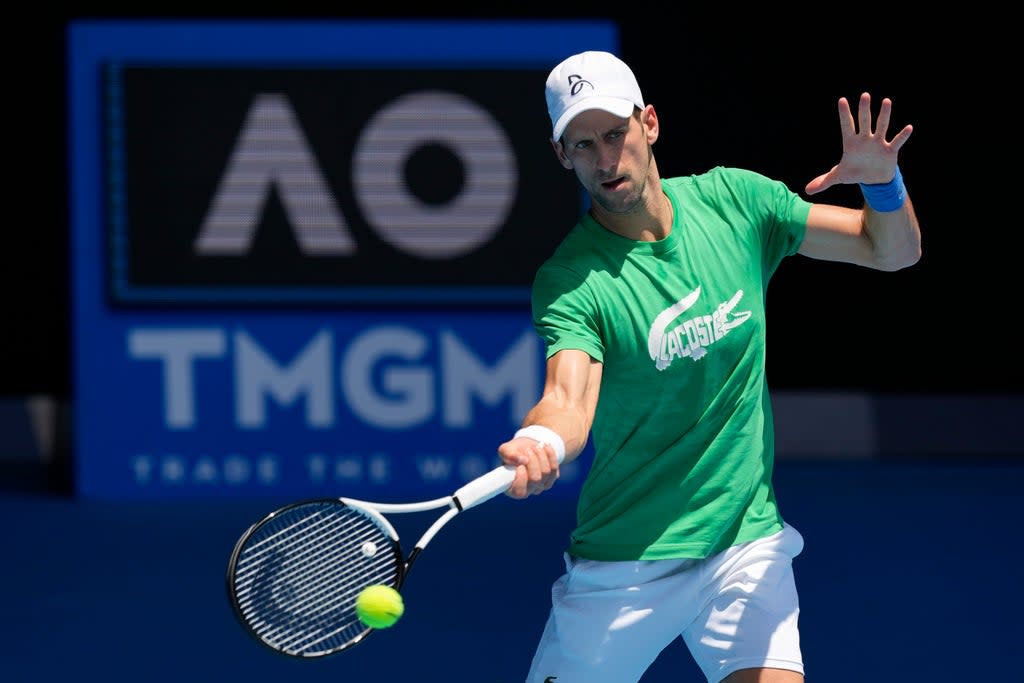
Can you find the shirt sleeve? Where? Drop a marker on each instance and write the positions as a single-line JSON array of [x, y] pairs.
[[564, 312], [778, 214]]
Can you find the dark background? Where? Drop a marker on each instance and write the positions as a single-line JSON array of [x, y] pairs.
[[747, 88]]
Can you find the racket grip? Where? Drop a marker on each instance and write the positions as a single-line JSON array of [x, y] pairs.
[[485, 487]]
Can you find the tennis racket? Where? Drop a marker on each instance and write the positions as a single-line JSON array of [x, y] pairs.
[[294, 576]]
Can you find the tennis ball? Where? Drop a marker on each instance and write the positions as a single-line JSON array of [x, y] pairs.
[[379, 606]]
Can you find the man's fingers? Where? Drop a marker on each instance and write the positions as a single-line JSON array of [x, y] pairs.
[[882, 122], [901, 137], [864, 114], [846, 125]]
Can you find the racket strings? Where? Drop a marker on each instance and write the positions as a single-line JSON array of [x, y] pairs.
[[309, 564], [297, 576]]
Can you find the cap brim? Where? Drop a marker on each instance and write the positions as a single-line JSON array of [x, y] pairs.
[[618, 106]]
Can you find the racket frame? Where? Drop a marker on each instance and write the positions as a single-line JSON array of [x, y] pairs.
[[471, 494], [401, 564]]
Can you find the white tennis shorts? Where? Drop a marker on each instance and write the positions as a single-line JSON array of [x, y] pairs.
[[734, 610]]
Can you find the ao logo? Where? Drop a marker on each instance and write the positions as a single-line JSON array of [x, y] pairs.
[[273, 151]]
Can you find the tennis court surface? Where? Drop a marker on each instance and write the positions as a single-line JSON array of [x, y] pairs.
[[910, 572]]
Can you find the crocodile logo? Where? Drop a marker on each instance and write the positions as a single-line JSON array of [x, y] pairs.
[[692, 337]]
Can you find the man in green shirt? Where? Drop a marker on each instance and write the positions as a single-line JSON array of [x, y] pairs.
[[653, 313]]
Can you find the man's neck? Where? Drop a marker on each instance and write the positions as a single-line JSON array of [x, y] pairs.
[[649, 221]]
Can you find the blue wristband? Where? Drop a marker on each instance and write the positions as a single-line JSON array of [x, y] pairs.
[[885, 196]]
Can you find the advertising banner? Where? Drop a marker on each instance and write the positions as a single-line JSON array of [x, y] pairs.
[[302, 250]]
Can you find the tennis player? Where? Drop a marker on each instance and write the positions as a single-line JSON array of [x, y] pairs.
[[653, 313]]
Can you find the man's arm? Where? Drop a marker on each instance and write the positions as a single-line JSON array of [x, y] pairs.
[[566, 408], [885, 240], [886, 237]]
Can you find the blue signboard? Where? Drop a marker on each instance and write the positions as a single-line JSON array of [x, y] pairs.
[[302, 250]]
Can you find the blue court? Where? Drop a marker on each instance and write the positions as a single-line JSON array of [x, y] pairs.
[[910, 572]]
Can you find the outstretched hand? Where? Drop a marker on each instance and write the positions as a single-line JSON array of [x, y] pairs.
[[867, 156]]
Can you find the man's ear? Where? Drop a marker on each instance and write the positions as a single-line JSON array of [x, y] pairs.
[[649, 118], [560, 153]]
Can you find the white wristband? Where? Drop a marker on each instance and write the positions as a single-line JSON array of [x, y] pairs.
[[545, 436]]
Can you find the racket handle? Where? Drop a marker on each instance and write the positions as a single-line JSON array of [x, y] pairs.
[[485, 487]]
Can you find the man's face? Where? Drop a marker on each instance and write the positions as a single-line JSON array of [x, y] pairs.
[[610, 155]]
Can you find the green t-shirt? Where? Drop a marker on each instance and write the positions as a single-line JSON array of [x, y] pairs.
[[683, 436]]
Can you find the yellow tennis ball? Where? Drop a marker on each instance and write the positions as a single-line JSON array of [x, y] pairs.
[[379, 606]]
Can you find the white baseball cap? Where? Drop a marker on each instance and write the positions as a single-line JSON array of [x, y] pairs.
[[590, 80]]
